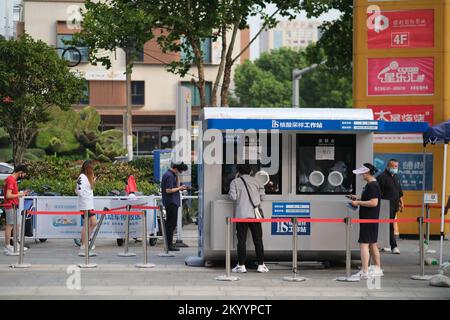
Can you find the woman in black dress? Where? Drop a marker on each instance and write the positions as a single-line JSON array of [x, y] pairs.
[[369, 208]]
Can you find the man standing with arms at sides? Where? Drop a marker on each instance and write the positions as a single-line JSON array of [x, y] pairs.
[[391, 190]]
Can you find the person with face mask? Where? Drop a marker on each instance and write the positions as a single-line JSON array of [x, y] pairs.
[[12, 195], [391, 190], [369, 208]]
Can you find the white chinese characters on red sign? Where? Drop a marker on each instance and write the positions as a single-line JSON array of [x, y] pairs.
[[400, 29], [400, 76]]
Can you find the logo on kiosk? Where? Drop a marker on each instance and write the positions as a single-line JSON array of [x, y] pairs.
[[291, 210]]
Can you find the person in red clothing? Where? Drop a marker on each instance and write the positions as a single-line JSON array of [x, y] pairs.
[[11, 194]]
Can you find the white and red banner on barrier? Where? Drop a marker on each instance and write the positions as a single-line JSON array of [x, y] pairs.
[[411, 113], [400, 76], [401, 29]]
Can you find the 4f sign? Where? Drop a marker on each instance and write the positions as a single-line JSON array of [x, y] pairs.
[[376, 21], [400, 39]]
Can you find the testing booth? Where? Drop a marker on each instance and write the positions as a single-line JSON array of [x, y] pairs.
[[309, 155]]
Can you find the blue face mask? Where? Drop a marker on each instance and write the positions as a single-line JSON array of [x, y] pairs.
[[393, 171]]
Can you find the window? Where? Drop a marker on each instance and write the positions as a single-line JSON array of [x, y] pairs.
[[325, 164], [205, 46], [277, 39], [85, 98], [61, 38], [195, 94], [138, 92], [252, 150]]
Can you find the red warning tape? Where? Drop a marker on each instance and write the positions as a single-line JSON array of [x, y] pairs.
[[420, 206], [132, 213], [383, 220], [65, 213], [288, 220], [118, 208]]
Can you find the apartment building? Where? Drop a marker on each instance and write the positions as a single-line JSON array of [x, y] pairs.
[[154, 89], [295, 34]]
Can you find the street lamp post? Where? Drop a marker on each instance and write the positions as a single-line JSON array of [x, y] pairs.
[[296, 76]]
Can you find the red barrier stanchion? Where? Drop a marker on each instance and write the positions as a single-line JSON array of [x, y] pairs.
[[20, 264]]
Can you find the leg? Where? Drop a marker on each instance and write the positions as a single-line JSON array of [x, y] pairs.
[[375, 254], [241, 230], [8, 230], [392, 241], [171, 222], [364, 247], [256, 230], [92, 225]]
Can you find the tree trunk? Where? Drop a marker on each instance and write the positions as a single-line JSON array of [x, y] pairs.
[[227, 72], [221, 67], [201, 72]]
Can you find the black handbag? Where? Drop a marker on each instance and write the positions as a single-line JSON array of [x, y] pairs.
[[259, 214]]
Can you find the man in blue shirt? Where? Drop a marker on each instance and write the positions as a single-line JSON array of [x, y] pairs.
[[170, 187]]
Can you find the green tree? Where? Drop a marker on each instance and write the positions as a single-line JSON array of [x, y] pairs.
[[266, 82], [337, 36], [32, 79], [111, 25]]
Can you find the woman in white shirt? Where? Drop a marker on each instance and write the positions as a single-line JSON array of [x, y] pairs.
[[84, 190]]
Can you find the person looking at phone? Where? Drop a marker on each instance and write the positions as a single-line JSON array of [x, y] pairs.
[[369, 208], [11, 200], [170, 188]]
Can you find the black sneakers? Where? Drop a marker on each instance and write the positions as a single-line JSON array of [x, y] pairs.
[[173, 248]]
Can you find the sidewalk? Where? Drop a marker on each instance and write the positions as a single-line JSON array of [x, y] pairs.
[[118, 278]]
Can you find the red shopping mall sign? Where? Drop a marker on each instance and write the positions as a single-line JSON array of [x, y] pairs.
[[416, 113], [400, 29], [400, 76]]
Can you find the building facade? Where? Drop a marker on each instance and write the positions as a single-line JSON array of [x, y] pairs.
[[154, 89], [295, 34], [11, 18]]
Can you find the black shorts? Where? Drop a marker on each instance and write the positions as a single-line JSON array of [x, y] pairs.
[[368, 233], [89, 214]]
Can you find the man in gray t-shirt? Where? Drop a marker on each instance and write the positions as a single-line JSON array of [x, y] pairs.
[[244, 209]]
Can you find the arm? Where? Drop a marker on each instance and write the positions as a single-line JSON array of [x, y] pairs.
[[9, 195], [369, 203], [233, 191], [402, 204]]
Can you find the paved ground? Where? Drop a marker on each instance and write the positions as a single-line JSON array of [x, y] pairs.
[[117, 278]]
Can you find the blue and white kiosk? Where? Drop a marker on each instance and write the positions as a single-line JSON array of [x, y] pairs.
[[317, 150]]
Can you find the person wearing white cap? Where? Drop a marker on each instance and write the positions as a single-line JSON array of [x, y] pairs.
[[369, 208]]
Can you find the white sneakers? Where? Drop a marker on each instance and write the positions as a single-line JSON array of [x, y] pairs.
[[396, 250], [82, 247], [361, 275], [262, 268], [10, 249], [241, 269], [374, 271]]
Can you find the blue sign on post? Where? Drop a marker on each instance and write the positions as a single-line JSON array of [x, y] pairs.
[[411, 169], [291, 210]]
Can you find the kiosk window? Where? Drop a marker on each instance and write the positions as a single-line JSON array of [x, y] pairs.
[[325, 164], [253, 149]]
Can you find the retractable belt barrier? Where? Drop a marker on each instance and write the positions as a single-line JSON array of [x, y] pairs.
[[145, 264], [295, 221]]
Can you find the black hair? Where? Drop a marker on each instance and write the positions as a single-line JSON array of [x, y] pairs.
[[371, 167], [244, 168], [180, 166], [21, 168], [393, 160]]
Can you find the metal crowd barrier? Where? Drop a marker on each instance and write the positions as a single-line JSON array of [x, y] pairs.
[[348, 222], [88, 246]]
